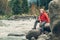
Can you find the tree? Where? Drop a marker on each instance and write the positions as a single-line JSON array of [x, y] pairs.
[[16, 6], [25, 6], [43, 3], [3, 6]]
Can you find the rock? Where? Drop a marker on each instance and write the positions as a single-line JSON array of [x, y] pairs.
[[2, 24], [54, 10], [56, 28], [42, 37], [11, 34], [45, 36], [14, 17], [33, 33]]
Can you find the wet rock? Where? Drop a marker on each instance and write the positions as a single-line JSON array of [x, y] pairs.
[[42, 37], [56, 28], [2, 24], [54, 10], [14, 17], [11, 34], [33, 33]]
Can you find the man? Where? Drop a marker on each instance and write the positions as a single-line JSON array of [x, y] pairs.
[[44, 21]]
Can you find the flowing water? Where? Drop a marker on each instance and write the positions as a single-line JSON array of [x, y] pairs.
[[15, 27]]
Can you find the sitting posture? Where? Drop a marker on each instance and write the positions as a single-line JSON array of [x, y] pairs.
[[44, 21]]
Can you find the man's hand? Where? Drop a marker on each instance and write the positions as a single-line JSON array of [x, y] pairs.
[[40, 21]]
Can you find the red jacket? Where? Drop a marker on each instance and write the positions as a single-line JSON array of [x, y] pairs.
[[44, 17]]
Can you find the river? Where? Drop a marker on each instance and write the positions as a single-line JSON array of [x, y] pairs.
[[15, 27]]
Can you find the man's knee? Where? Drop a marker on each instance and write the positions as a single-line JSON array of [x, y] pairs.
[[47, 25]]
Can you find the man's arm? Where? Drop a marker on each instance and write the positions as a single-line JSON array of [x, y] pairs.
[[47, 17], [39, 19]]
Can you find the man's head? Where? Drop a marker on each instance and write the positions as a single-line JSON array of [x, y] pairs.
[[41, 10]]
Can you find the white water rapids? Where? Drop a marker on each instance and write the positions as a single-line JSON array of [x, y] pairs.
[[15, 27]]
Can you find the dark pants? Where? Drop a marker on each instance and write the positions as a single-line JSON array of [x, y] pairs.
[[47, 29], [42, 25], [36, 22]]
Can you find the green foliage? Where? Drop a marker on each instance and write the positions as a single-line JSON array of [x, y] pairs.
[[25, 6], [3, 17], [2, 7], [43, 3], [16, 6], [19, 6]]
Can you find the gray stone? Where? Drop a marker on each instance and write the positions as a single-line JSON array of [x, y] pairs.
[[54, 9], [14, 34], [33, 33], [54, 12]]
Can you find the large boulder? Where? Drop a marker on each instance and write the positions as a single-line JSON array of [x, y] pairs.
[[33, 33], [54, 10], [56, 28]]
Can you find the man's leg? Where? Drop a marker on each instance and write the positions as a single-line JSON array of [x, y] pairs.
[[42, 24], [47, 27], [36, 24]]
